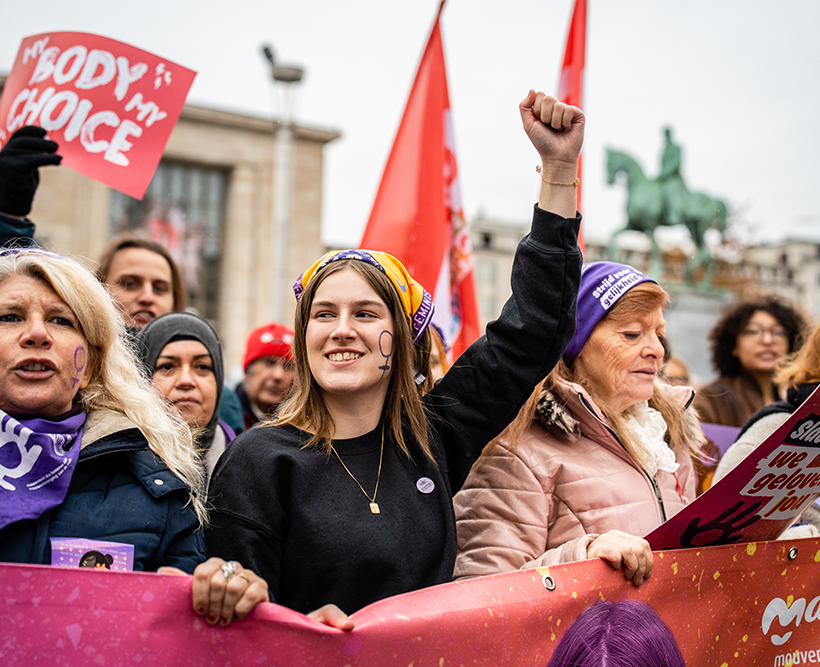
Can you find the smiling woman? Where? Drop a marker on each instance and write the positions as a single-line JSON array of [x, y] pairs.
[[346, 497], [747, 343], [599, 456], [364, 325]]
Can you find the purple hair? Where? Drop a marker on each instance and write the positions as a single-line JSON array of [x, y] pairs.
[[620, 634]]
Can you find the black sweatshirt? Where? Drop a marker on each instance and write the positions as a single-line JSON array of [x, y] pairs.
[[297, 518]]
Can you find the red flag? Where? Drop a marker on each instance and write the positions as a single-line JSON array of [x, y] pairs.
[[417, 215], [571, 87]]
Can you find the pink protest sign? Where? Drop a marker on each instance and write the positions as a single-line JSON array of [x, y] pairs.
[[110, 106], [760, 498]]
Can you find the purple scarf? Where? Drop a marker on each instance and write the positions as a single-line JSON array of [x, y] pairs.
[[36, 463]]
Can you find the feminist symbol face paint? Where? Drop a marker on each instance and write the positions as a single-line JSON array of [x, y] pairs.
[[386, 366], [79, 365]]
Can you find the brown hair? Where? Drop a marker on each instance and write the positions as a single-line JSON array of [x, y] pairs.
[[306, 407], [129, 240]]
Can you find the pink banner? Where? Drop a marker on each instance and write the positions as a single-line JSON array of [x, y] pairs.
[[110, 106], [749, 604], [760, 498]]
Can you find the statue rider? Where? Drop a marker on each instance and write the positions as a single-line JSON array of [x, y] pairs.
[[672, 186]]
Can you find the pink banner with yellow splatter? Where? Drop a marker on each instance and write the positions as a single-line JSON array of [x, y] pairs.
[[747, 604]]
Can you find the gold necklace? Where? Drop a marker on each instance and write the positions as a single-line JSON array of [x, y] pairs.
[[374, 506]]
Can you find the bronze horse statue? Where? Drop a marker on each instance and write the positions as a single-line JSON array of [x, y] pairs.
[[650, 205]]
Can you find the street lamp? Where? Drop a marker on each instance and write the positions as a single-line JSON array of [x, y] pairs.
[[286, 76]]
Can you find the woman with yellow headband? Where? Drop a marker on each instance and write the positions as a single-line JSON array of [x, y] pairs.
[[346, 496]]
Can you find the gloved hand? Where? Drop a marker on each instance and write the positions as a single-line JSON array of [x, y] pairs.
[[22, 155]]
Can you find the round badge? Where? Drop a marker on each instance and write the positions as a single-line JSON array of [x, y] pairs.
[[425, 485]]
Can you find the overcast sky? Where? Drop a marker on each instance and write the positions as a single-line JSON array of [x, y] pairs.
[[737, 80]]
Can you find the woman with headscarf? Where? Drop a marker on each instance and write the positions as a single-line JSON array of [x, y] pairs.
[[346, 497], [182, 355], [600, 455]]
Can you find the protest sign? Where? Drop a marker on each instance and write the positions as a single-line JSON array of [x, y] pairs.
[[746, 604], [110, 106], [81, 552], [760, 498]]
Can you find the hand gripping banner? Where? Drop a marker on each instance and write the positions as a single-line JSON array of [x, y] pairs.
[[745, 604]]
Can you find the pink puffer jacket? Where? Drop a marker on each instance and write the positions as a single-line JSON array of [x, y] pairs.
[[563, 486]]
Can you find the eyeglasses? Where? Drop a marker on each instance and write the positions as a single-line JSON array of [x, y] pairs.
[[758, 332]]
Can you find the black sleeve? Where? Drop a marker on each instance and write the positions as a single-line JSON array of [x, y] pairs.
[[491, 380], [246, 518]]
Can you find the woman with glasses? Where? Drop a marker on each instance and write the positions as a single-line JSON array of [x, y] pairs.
[[746, 343]]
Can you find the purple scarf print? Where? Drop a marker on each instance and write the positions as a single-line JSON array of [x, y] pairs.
[[37, 460]]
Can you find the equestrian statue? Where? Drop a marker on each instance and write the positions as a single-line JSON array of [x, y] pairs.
[[666, 201]]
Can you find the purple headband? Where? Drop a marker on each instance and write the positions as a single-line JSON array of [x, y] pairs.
[[602, 284], [24, 250]]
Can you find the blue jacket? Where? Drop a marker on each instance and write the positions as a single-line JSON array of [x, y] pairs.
[[121, 492]]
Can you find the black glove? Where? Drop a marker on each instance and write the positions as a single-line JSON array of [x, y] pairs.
[[20, 158]]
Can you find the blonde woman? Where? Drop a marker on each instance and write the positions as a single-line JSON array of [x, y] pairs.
[[599, 457], [87, 448]]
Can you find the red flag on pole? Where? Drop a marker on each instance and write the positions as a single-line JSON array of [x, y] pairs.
[[571, 87], [417, 215]]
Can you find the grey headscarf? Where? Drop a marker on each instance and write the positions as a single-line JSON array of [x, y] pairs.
[[182, 326]]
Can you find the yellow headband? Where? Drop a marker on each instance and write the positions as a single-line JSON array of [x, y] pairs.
[[416, 301]]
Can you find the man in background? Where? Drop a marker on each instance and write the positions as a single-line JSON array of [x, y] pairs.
[[269, 372]]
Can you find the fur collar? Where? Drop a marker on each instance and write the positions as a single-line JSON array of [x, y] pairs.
[[102, 423], [551, 413]]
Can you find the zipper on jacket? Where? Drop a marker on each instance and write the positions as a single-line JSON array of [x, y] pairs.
[[651, 478], [658, 496]]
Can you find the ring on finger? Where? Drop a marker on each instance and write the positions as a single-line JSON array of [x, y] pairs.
[[230, 569], [244, 576]]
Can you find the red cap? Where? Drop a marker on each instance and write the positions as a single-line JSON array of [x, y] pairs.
[[269, 340]]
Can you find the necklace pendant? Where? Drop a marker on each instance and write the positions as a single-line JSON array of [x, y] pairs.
[[374, 508]]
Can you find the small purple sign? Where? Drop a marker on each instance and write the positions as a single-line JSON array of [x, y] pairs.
[[96, 554], [720, 435]]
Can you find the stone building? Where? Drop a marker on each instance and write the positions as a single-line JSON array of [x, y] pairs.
[[211, 204], [790, 269]]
